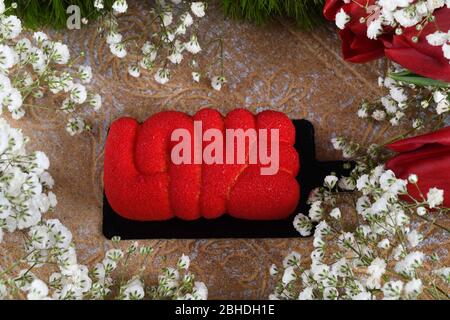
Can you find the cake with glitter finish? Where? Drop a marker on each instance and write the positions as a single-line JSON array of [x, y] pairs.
[[142, 182]]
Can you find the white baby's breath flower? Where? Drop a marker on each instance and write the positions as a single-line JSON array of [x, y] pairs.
[[444, 273], [217, 82], [273, 270], [439, 96], [118, 49], [338, 143], [410, 262], [150, 50], [375, 29], [10, 27], [198, 8], [335, 213], [85, 73], [446, 50], [346, 240], [134, 290], [330, 181], [78, 94], [60, 236], [134, 71], [318, 253], [98, 4], [364, 295], [192, 45], [412, 178], [413, 288], [414, 238], [41, 160], [407, 18], [176, 55], [196, 76], [167, 18], [114, 255], [421, 211], [316, 211], [187, 20], [303, 225], [417, 124], [168, 36], [362, 182], [40, 37], [306, 294], [443, 107], [14, 100], [392, 290], [95, 101], [162, 76], [389, 104], [113, 38], [319, 271], [379, 115], [292, 259], [184, 262], [7, 57], [384, 244], [318, 242], [398, 94], [60, 54], [437, 38], [347, 183], [38, 290], [200, 290], [388, 182], [120, 6], [52, 199], [342, 18], [435, 197], [289, 275], [362, 113], [181, 30], [75, 125], [330, 293]]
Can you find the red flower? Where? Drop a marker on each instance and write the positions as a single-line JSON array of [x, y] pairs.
[[356, 47], [332, 7], [421, 57], [427, 156]]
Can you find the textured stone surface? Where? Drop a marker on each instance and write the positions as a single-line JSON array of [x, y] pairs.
[[272, 66]]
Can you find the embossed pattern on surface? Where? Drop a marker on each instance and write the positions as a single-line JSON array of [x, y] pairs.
[[273, 66]]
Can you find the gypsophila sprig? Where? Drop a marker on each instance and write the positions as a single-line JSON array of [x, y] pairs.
[[172, 38], [178, 284], [379, 257], [409, 102], [49, 249], [33, 67]]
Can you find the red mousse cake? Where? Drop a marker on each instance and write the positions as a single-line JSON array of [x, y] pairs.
[[143, 182]]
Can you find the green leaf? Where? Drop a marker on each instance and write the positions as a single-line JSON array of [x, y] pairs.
[[412, 78], [306, 13]]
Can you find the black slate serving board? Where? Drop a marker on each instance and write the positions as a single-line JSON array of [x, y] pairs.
[[312, 173]]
